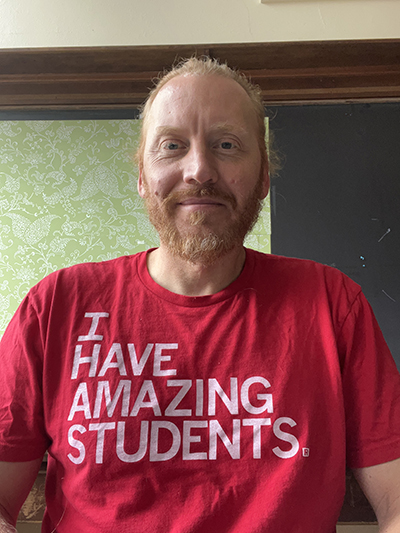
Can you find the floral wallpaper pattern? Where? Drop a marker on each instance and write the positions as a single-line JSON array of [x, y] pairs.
[[68, 195]]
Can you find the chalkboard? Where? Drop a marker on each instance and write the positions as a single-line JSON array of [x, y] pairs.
[[337, 197]]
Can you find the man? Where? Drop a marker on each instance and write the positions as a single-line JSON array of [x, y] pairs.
[[199, 387]]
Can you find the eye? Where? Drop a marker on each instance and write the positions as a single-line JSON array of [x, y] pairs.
[[170, 145], [227, 145]]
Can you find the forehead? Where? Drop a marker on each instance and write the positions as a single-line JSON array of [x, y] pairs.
[[207, 99]]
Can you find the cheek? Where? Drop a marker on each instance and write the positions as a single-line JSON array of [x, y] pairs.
[[242, 178], [165, 180], [243, 185], [150, 187], [159, 188]]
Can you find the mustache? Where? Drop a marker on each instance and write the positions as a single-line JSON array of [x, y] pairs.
[[205, 191]]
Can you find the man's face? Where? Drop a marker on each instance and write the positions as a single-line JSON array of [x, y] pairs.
[[201, 175]]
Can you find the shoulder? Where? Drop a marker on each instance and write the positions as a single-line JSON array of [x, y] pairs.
[[302, 277], [85, 278], [291, 267]]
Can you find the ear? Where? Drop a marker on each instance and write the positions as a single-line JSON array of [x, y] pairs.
[[266, 180], [140, 184]]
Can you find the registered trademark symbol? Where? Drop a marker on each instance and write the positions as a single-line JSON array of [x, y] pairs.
[[306, 452]]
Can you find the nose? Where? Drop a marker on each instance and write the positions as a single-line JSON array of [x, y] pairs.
[[199, 166]]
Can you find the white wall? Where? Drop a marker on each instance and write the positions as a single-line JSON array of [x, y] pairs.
[[54, 23]]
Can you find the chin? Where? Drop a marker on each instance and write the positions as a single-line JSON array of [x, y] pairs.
[[204, 247]]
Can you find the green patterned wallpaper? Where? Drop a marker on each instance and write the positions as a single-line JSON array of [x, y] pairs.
[[68, 195]]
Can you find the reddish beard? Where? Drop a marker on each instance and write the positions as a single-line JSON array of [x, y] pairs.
[[197, 243]]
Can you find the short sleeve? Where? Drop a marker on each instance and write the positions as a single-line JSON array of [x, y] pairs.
[[22, 428], [371, 389]]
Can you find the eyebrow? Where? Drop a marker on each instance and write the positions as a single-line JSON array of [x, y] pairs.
[[222, 127], [166, 130]]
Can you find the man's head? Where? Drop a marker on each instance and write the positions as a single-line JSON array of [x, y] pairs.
[[203, 167], [205, 67]]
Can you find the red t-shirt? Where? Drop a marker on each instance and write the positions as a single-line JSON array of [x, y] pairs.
[[235, 412]]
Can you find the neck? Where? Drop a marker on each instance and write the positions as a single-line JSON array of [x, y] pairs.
[[194, 279]]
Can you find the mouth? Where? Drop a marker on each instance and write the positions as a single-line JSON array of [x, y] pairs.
[[200, 202], [199, 199]]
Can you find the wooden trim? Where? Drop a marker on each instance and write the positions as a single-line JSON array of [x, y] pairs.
[[120, 77]]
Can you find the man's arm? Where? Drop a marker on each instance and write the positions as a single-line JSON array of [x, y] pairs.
[[381, 485], [16, 480]]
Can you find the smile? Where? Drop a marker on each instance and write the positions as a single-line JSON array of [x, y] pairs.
[[203, 202]]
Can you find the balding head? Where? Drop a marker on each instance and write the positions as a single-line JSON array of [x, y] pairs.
[[207, 67]]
